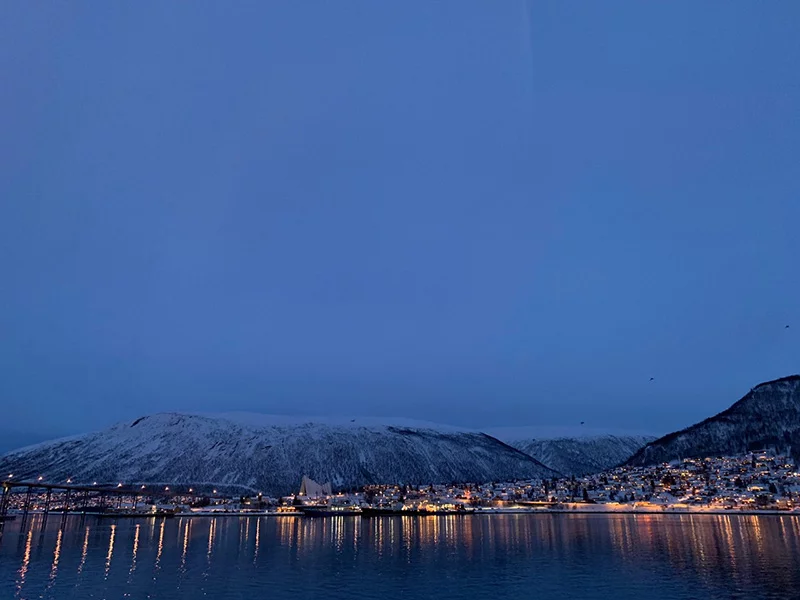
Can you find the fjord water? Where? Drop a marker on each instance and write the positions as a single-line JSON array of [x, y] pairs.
[[538, 556]]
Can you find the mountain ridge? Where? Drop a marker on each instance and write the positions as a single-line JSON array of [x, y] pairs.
[[190, 448], [583, 455], [769, 414]]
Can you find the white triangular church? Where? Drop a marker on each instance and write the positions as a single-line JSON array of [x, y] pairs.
[[311, 489]]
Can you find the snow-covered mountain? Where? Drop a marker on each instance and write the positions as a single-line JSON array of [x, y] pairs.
[[769, 415], [582, 455], [252, 452]]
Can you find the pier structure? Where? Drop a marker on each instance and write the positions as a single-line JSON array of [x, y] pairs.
[[72, 498]]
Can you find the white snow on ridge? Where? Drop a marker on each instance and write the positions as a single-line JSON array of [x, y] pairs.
[[270, 420], [582, 455], [255, 452], [533, 432], [271, 452], [576, 450]]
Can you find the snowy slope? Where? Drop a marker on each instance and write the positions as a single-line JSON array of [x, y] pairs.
[[251, 452], [538, 432], [769, 415], [583, 455]]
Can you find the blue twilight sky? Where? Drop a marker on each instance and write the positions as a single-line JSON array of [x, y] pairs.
[[480, 213]]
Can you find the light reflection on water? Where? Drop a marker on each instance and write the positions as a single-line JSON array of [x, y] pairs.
[[136, 530], [111, 550], [569, 556], [56, 555]]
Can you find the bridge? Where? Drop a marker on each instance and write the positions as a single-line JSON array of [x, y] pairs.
[[69, 498]]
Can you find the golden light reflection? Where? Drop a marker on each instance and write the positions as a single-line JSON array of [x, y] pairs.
[[309, 533], [258, 537], [135, 551], [703, 549], [152, 528], [286, 530], [727, 534], [377, 532], [619, 537], [300, 528], [110, 549], [715, 547], [26, 561], [755, 523], [466, 534], [84, 550], [490, 532], [135, 545], [784, 533], [56, 556], [674, 542], [211, 529], [449, 530], [407, 526], [186, 530], [337, 532], [356, 537], [160, 545], [429, 530]]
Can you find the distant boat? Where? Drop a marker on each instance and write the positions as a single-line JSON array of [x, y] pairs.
[[329, 510], [385, 510]]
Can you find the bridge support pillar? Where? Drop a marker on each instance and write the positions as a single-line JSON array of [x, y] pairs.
[[27, 506], [4, 501], [46, 507], [65, 508]]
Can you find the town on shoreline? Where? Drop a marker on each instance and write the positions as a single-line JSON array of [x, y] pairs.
[[763, 482]]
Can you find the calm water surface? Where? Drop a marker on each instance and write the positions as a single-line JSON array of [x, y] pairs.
[[512, 556]]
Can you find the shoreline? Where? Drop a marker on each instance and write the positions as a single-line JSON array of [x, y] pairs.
[[714, 512], [489, 512]]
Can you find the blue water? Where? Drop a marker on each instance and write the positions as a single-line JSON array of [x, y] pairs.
[[554, 556]]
